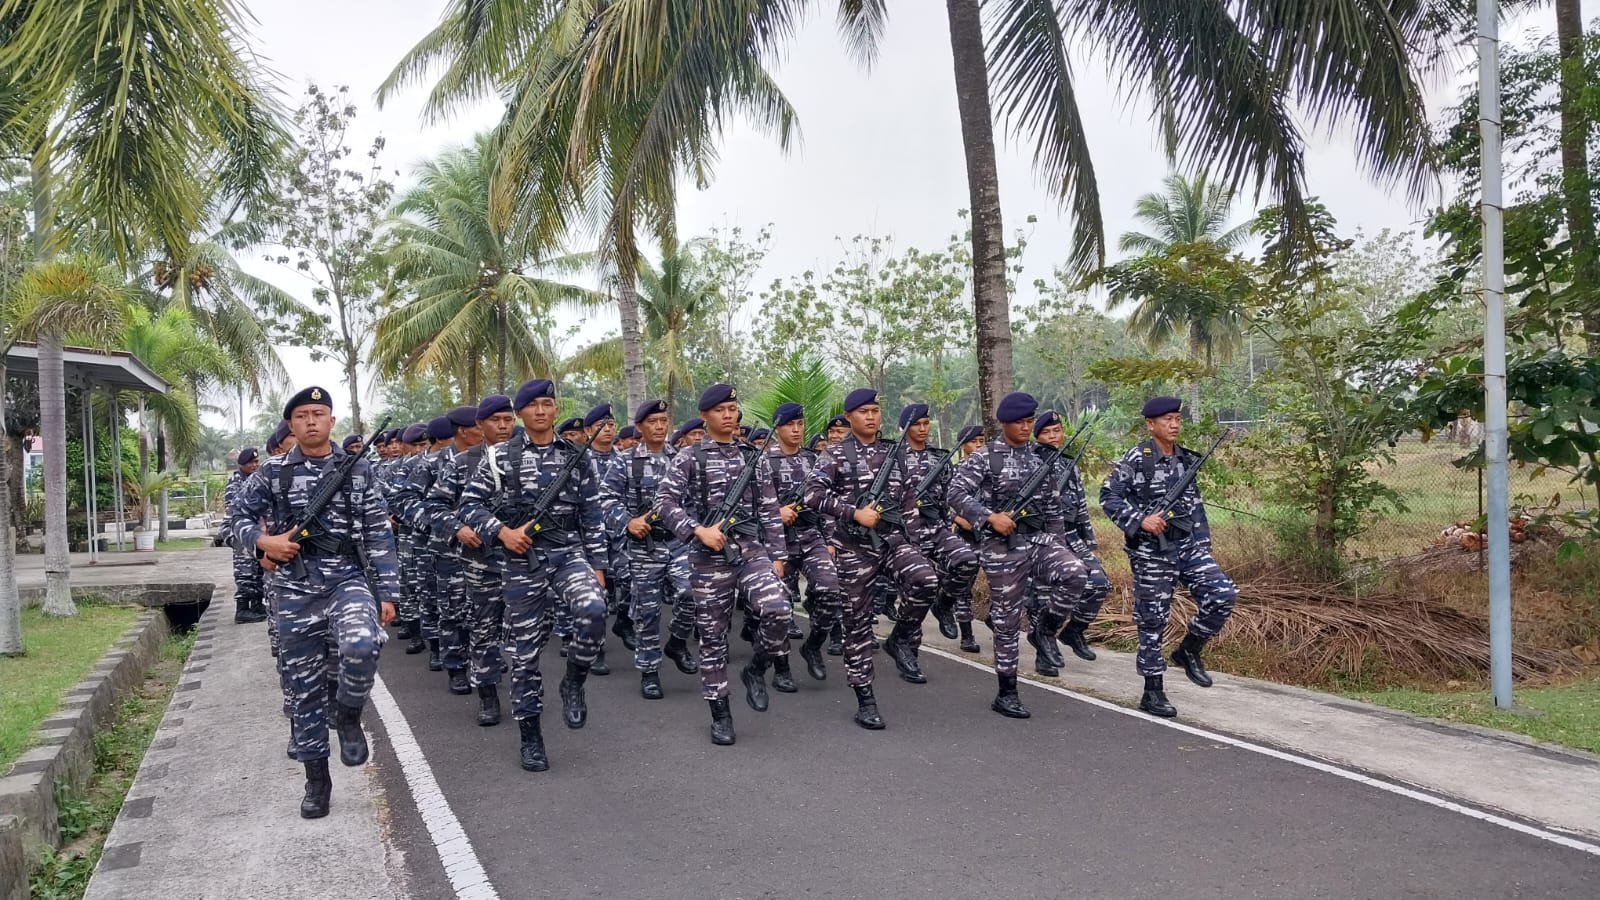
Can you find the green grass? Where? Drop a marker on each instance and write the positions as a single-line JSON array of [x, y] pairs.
[[58, 652], [1570, 713]]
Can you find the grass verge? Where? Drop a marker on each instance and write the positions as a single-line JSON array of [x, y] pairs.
[[87, 816], [59, 652], [1569, 714]]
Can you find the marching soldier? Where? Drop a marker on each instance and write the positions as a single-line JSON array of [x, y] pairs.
[[415, 534], [248, 607], [280, 441], [353, 443], [838, 429], [552, 553], [1166, 550], [601, 426], [399, 472], [1080, 540], [627, 438], [630, 489], [871, 535], [325, 588], [436, 519], [572, 430], [953, 558], [712, 496], [806, 545], [1015, 549], [968, 440]]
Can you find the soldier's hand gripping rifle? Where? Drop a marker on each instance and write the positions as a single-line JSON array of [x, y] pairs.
[[1024, 515], [1167, 506], [727, 518], [889, 517], [920, 493], [308, 528], [538, 523]]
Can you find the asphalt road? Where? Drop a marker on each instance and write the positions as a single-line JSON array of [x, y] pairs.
[[952, 800]]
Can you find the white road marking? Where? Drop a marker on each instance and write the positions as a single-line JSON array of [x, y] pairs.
[[1307, 762], [460, 861]]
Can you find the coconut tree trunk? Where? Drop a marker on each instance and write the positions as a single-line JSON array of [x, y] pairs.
[[632, 334], [161, 466], [53, 425], [1575, 130], [990, 305], [10, 602]]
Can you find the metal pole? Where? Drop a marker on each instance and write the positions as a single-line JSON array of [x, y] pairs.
[[88, 470], [116, 470], [1494, 356]]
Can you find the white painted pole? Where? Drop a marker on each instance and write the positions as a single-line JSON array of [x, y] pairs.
[[1494, 356]]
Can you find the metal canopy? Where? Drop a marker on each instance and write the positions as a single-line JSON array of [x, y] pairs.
[[113, 369]]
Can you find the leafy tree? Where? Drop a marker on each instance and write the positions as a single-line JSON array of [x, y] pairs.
[[675, 300], [803, 381], [1188, 211], [731, 260], [327, 221]]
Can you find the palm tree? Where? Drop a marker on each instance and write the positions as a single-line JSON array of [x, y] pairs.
[[673, 299], [804, 381], [88, 300], [473, 285], [1187, 211]]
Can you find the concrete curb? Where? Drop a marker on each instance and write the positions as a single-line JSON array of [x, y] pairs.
[[145, 593], [64, 751]]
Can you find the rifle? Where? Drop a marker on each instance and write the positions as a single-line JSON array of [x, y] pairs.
[[1166, 507], [725, 519], [1024, 496], [308, 528], [537, 512], [927, 483], [873, 498]]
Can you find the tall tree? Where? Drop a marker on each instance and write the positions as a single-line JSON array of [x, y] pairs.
[[674, 300], [1187, 211], [1576, 182]]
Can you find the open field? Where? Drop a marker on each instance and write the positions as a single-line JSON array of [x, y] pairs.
[[59, 652]]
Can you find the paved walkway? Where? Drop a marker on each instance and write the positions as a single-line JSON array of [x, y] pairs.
[[1258, 791]]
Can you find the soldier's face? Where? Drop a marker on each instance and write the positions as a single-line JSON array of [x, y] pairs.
[[694, 437], [1165, 428], [1052, 435], [1019, 432], [311, 426], [497, 428], [608, 433], [972, 445], [836, 433], [917, 433], [654, 428], [356, 448], [722, 420], [790, 434], [864, 420], [627, 443], [470, 436], [250, 467], [539, 416]]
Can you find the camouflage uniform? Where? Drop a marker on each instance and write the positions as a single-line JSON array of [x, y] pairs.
[[409, 609], [629, 486], [246, 568], [414, 533], [1132, 490], [483, 607], [561, 563], [438, 520], [935, 534], [1079, 535], [619, 575], [843, 473], [334, 603], [695, 486], [987, 482], [805, 542]]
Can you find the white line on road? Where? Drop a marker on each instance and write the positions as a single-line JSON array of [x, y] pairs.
[[460, 861], [1318, 765]]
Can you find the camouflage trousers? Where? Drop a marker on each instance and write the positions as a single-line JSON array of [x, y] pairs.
[[425, 564], [486, 614], [246, 576], [269, 593], [715, 584], [450, 589], [1097, 588], [956, 565], [532, 594], [619, 575], [1055, 573], [1155, 578], [678, 576], [333, 609], [409, 608], [858, 568], [809, 557], [648, 587]]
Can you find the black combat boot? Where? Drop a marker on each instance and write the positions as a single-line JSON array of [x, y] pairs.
[[332, 686], [944, 612], [1188, 656], [488, 705], [721, 723], [747, 632], [677, 650], [532, 753], [969, 644], [405, 629], [600, 666], [782, 678], [573, 706], [650, 686], [622, 627], [435, 663], [417, 644], [458, 682], [319, 789], [352, 740], [565, 642], [1042, 635], [1074, 638], [245, 613], [898, 646], [867, 709], [1007, 703], [1154, 700], [260, 606], [836, 640], [811, 652], [754, 676]]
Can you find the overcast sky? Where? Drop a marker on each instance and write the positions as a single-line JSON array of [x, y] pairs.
[[880, 151]]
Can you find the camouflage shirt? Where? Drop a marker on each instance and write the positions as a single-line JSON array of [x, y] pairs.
[[789, 474], [1136, 485], [690, 494], [933, 510], [845, 471], [629, 484], [989, 480], [514, 474]]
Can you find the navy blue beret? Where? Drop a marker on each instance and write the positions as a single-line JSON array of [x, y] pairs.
[[1015, 407], [744, 430], [463, 416], [786, 413], [598, 414], [1045, 420], [414, 432], [440, 428], [648, 409], [573, 424], [716, 394], [350, 439], [627, 431], [311, 396], [968, 433], [247, 455], [279, 435], [532, 390], [757, 434], [1160, 406], [494, 403], [858, 398], [913, 413], [694, 424], [381, 438], [838, 422], [816, 439]]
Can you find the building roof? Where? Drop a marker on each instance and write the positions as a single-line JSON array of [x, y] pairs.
[[99, 368]]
